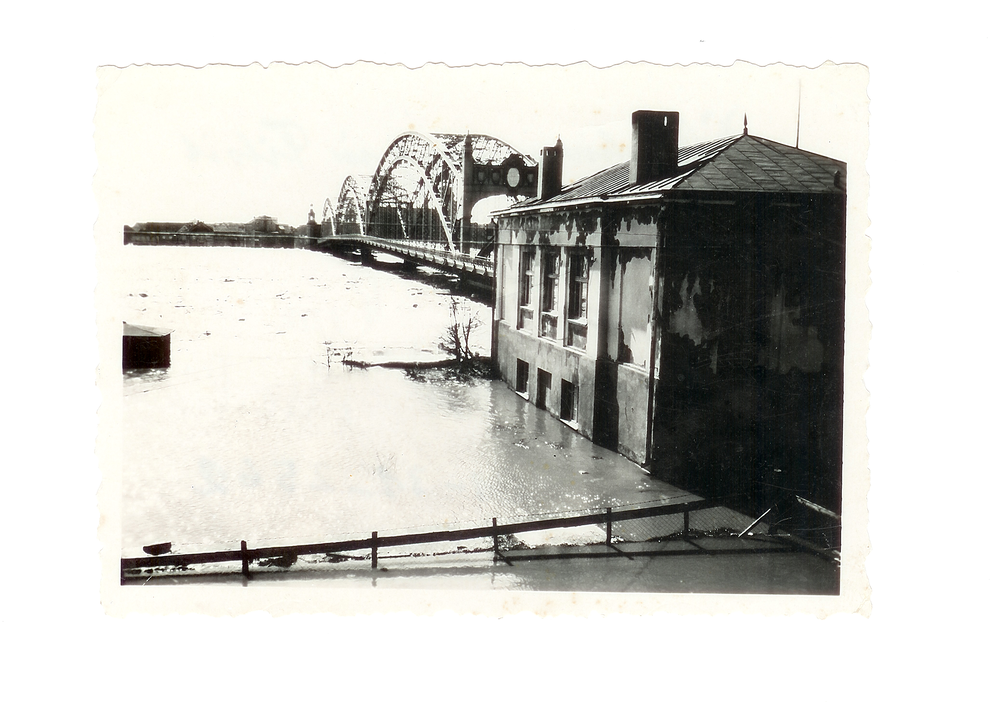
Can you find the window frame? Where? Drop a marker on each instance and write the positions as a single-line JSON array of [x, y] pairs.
[[550, 262], [525, 288], [522, 373], [569, 402], [543, 386], [578, 292]]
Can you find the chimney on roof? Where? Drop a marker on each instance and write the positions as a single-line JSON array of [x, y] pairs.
[[550, 171], [654, 146]]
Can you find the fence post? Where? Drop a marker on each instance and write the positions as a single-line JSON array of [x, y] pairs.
[[496, 541], [374, 550], [608, 541], [246, 560], [687, 514]]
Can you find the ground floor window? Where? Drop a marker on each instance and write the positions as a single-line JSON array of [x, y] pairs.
[[544, 385], [568, 401], [521, 381]]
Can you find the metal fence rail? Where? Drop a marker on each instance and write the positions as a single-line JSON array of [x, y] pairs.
[[247, 555]]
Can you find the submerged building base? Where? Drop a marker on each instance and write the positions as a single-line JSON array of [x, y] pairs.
[[145, 347]]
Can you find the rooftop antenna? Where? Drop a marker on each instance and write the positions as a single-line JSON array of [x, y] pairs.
[[798, 115]]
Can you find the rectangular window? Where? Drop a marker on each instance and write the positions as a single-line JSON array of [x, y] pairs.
[[521, 384], [567, 401], [550, 293], [550, 280], [525, 311], [579, 277], [579, 280], [544, 384]]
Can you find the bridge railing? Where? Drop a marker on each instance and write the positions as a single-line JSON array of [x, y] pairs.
[[428, 251], [438, 250], [246, 556]]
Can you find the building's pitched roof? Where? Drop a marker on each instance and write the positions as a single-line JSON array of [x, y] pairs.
[[141, 330], [740, 163]]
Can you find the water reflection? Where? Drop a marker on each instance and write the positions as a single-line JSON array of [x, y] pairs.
[[138, 376]]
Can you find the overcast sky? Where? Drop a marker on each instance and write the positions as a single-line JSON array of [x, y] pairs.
[[225, 143]]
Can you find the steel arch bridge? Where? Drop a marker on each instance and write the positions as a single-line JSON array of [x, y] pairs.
[[425, 186], [352, 206]]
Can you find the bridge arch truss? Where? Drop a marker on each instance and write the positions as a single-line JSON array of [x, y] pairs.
[[425, 186], [350, 217]]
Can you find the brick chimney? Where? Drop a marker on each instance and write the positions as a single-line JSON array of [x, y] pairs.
[[550, 171], [654, 146]]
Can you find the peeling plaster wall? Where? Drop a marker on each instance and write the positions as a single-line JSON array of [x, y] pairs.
[[506, 281], [792, 345], [635, 307], [684, 321], [748, 326], [578, 366], [628, 239], [611, 374], [750, 398], [632, 393]]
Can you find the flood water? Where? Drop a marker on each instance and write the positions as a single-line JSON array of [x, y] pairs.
[[257, 431]]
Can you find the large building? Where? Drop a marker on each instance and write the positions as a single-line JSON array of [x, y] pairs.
[[686, 309]]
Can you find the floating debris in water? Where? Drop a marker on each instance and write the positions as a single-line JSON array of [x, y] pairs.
[[284, 561]]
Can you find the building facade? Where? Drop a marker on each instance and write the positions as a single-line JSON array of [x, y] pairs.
[[686, 309]]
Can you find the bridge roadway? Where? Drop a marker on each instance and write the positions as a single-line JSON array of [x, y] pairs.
[[476, 269]]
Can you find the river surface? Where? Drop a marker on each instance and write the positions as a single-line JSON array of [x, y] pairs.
[[257, 431]]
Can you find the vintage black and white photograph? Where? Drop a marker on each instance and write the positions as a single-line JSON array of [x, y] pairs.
[[538, 350], [492, 329]]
